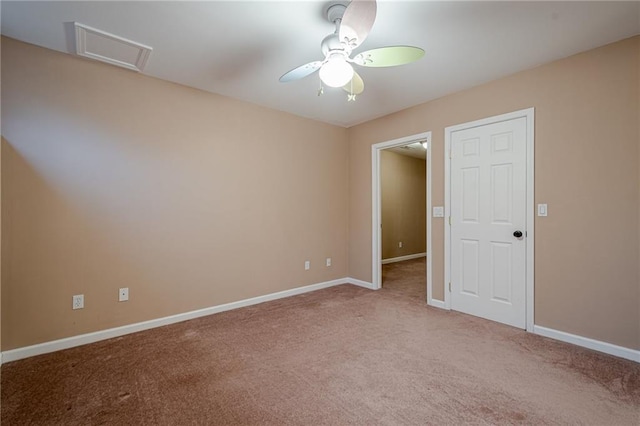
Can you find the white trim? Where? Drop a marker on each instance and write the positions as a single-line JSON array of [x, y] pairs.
[[529, 115], [83, 339], [585, 342], [403, 258], [361, 283], [447, 218], [437, 304], [430, 300], [530, 234], [376, 214]]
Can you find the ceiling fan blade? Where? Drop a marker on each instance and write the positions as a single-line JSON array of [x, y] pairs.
[[357, 22], [388, 56], [355, 86], [301, 72]]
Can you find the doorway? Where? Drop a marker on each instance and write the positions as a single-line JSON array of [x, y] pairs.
[[489, 203], [393, 249]]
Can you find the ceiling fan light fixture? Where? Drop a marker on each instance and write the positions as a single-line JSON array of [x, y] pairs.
[[353, 21], [336, 72]]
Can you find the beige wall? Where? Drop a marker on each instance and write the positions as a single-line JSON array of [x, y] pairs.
[[403, 204], [114, 179], [586, 168], [2, 142]]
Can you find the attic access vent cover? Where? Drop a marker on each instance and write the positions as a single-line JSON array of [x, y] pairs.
[[109, 48]]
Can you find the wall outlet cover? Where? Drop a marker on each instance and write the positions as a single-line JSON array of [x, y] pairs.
[[78, 301], [123, 294]]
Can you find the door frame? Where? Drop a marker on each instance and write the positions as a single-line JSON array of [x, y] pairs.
[[529, 115], [376, 208]]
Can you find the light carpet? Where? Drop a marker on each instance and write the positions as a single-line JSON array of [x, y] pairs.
[[343, 355]]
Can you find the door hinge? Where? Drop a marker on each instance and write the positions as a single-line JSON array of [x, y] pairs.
[[449, 286], [449, 220], [450, 155]]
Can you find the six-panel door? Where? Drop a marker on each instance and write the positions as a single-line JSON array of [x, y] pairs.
[[488, 205]]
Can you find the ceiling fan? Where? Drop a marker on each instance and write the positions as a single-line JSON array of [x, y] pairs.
[[353, 23]]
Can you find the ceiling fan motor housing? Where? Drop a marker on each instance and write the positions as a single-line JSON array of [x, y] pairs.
[[331, 43]]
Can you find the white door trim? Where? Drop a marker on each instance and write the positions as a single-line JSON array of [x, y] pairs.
[[529, 115], [376, 213]]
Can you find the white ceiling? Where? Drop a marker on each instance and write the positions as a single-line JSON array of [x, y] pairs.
[[241, 48]]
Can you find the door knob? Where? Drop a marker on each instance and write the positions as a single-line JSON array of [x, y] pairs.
[[517, 234]]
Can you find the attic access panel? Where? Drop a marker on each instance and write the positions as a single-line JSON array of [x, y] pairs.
[[112, 49]]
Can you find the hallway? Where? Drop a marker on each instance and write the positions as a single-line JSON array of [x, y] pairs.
[[408, 278]]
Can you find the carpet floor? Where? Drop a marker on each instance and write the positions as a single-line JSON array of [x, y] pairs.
[[342, 355], [408, 278]]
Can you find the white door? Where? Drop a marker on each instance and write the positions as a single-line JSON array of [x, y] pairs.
[[488, 213]]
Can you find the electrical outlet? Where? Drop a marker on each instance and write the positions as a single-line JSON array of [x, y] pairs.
[[307, 265], [123, 294], [328, 261], [400, 244], [78, 301]]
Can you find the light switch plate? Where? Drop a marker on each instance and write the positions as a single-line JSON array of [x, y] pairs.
[[438, 211], [542, 210]]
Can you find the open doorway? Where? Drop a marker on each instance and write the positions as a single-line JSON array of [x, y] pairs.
[[401, 233], [403, 207]]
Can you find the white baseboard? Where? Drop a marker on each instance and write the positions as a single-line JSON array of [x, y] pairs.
[[361, 283], [596, 345], [437, 303], [401, 258], [83, 339]]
